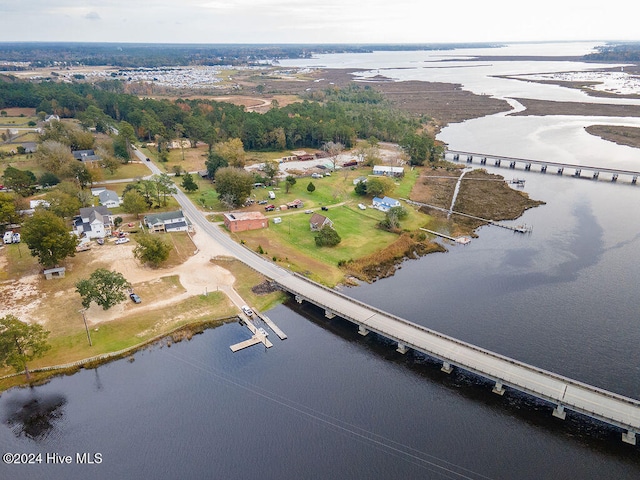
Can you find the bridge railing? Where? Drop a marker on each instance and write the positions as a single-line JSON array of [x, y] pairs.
[[531, 368]]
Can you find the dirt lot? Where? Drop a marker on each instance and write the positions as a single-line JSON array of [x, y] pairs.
[[27, 296]]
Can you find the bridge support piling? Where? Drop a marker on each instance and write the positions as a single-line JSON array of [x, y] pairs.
[[596, 175], [497, 163], [362, 331], [329, 314], [456, 157], [498, 388], [559, 412], [402, 348], [634, 180], [469, 158], [560, 170], [299, 298], [446, 367], [543, 169], [527, 167], [578, 172], [629, 437], [615, 177], [483, 161], [512, 165]]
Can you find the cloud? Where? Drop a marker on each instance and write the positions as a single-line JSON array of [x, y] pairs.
[[92, 16]]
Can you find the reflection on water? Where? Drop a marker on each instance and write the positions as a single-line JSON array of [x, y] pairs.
[[34, 414]]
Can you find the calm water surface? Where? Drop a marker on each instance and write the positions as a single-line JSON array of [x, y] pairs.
[[329, 403]]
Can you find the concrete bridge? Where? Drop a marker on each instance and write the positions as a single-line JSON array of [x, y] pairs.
[[563, 392], [557, 167]]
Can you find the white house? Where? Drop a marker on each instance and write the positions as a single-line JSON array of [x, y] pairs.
[[37, 203], [384, 204], [167, 222], [388, 171], [109, 199], [93, 222]]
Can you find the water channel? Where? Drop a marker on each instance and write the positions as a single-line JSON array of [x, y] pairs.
[[328, 403]]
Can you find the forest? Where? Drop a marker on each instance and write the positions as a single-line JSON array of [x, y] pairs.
[[339, 115]]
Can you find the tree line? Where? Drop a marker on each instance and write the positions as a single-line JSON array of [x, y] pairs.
[[340, 115]]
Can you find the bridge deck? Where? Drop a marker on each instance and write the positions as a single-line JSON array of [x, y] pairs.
[[601, 404], [631, 173]]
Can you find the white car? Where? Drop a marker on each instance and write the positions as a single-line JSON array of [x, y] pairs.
[[361, 206], [247, 311], [122, 240]]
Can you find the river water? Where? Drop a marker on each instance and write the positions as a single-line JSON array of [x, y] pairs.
[[328, 403]]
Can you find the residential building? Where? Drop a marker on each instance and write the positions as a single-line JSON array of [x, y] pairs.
[[109, 199], [93, 222], [388, 171], [167, 222], [242, 221], [384, 204], [85, 155], [317, 221]]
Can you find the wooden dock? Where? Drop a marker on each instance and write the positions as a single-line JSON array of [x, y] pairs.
[[461, 240], [517, 228], [272, 326], [259, 336]]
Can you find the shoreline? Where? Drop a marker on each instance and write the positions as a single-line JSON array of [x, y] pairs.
[[42, 375]]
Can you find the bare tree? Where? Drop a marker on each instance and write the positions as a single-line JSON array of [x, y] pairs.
[[334, 149]]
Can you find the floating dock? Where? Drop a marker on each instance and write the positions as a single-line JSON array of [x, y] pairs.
[[271, 325], [259, 336]]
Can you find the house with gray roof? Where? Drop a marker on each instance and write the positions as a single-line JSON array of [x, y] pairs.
[[109, 198], [93, 222], [167, 222], [85, 155]]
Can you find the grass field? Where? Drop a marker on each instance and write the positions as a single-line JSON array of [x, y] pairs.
[[293, 243]]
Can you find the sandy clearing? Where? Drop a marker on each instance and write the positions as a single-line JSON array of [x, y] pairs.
[[197, 275]]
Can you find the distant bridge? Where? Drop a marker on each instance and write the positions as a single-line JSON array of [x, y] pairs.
[[558, 167]]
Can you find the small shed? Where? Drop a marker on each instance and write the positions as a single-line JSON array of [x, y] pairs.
[[54, 273]]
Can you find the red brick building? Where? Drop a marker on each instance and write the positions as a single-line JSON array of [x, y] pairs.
[[242, 221]]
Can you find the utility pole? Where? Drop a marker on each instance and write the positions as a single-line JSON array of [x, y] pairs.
[[86, 327]]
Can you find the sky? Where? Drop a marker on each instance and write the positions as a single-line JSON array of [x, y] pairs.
[[324, 21]]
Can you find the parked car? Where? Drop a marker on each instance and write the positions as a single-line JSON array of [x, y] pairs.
[[270, 208], [247, 311], [272, 194], [362, 206], [308, 211], [277, 220], [135, 298], [316, 175], [121, 240], [100, 241], [324, 209], [262, 202], [8, 237], [148, 159]]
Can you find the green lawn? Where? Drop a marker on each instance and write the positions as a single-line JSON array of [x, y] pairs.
[[357, 228]]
